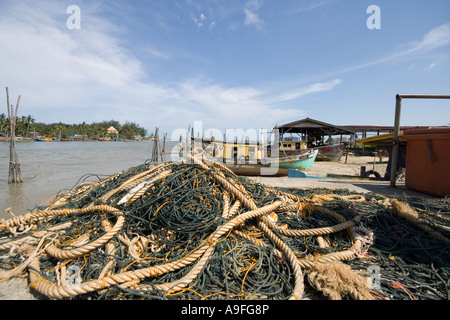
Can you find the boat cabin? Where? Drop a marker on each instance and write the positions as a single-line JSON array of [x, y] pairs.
[[233, 152], [292, 145]]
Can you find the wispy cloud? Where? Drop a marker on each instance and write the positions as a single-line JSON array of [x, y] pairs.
[[311, 6], [253, 4], [252, 19], [204, 20], [219, 13], [199, 21], [235, 106], [313, 88], [255, 106], [434, 39], [157, 53]]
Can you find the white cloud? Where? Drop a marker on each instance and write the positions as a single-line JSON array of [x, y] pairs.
[[218, 13], [60, 70], [216, 104], [238, 107], [313, 5], [157, 53], [434, 39], [199, 21], [202, 21], [253, 4], [313, 88], [437, 37], [252, 18]]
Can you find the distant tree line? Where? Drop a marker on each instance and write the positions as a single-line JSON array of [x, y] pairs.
[[26, 125]]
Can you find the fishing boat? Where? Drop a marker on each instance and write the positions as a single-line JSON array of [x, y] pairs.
[[254, 158], [256, 170], [46, 139], [332, 152], [303, 161]]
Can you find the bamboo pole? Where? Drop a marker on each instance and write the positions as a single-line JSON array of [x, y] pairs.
[[15, 174]]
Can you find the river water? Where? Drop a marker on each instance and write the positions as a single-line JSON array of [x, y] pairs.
[[50, 167]]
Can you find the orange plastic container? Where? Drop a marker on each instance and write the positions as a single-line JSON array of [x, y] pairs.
[[428, 160]]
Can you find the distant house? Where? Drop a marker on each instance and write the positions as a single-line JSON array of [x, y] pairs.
[[112, 130]]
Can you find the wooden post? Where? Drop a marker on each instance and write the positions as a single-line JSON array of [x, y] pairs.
[[164, 143], [14, 166], [155, 153], [346, 153], [395, 140]]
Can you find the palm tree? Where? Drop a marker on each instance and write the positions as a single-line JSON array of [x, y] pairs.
[[4, 123], [21, 125], [57, 129], [82, 128], [30, 121], [95, 130]]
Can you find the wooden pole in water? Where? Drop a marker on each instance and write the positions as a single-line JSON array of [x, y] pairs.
[[14, 166], [164, 143], [155, 152]]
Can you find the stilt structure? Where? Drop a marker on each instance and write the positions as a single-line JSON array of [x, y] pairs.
[[15, 176]]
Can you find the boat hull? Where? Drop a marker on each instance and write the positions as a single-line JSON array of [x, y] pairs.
[[325, 153], [303, 162], [256, 170], [332, 152], [46, 140]]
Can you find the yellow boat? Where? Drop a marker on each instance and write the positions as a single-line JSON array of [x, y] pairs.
[[46, 139], [381, 140]]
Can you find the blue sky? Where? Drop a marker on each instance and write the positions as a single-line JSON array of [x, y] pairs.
[[229, 64]]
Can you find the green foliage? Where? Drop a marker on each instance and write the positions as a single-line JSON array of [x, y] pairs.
[[25, 125]]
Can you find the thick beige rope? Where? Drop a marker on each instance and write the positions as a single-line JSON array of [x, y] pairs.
[[299, 285], [53, 290], [84, 249]]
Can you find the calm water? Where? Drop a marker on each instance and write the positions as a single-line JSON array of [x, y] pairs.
[[50, 167]]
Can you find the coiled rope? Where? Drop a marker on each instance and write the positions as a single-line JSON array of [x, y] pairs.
[[189, 231]]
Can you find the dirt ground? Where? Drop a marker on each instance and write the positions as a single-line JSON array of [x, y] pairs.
[[17, 288], [341, 175], [351, 167]]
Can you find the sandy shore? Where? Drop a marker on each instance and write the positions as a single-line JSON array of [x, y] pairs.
[[341, 175], [17, 289], [351, 167]]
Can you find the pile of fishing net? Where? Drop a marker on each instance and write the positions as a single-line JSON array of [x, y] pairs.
[[197, 231]]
